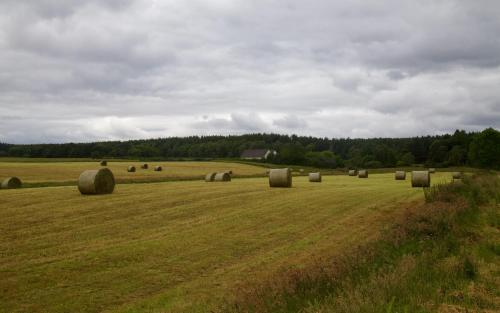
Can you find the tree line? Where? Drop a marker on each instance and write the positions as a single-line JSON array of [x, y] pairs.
[[478, 149]]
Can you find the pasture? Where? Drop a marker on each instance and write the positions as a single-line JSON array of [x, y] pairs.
[[176, 246], [38, 173]]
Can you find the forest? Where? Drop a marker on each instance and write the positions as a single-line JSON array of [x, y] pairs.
[[476, 149]]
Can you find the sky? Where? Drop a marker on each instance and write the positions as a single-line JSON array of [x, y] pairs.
[[80, 71]]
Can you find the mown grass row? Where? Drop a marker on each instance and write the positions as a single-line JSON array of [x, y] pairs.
[[441, 256], [52, 174], [131, 181], [67, 173]]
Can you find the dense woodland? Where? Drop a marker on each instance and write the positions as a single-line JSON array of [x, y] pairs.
[[460, 148]]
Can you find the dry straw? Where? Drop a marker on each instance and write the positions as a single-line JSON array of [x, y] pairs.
[[353, 173], [280, 178], [96, 182], [363, 174], [315, 177], [131, 169], [420, 179], [210, 177], [222, 177], [11, 183], [104, 163], [400, 175], [457, 175], [158, 168]]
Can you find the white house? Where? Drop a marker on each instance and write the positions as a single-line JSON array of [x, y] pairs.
[[257, 154]]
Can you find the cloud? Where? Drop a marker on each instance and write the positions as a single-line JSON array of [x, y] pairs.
[[234, 123], [96, 70], [290, 122]]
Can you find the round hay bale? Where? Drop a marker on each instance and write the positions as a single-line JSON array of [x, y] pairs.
[[230, 172], [131, 169], [353, 172], [363, 174], [420, 179], [11, 183], [96, 182], [104, 163], [144, 166], [315, 177], [158, 168], [457, 175], [268, 171], [301, 170], [432, 170], [400, 175], [280, 178], [210, 177], [222, 177]]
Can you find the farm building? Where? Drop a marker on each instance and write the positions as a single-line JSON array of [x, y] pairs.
[[257, 154]]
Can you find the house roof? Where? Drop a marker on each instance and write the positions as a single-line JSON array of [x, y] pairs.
[[254, 153]]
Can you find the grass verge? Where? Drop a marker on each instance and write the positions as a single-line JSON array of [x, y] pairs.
[[440, 256]]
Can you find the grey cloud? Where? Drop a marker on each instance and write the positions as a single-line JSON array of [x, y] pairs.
[[396, 75], [236, 122], [479, 119], [154, 68], [291, 122], [49, 9]]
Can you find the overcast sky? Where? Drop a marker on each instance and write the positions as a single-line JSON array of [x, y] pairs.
[[73, 70]]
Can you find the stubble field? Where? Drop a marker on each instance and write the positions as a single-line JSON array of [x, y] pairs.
[[68, 172], [178, 246]]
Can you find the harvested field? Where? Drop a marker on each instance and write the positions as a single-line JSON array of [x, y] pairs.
[[177, 246], [69, 172]]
